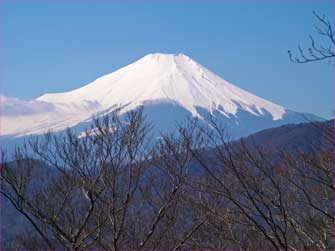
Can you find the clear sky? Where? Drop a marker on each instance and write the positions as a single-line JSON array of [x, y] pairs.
[[59, 46]]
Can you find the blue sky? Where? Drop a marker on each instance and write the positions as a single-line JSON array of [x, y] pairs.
[[58, 46]]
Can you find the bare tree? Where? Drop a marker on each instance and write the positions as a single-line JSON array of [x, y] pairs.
[[109, 188], [256, 198], [87, 198], [113, 188], [318, 51]]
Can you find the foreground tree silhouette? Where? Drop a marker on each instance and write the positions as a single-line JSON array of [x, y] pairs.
[[261, 198], [99, 190], [113, 188], [318, 50]]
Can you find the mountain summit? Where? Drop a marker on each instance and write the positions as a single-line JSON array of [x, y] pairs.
[[169, 77], [170, 87]]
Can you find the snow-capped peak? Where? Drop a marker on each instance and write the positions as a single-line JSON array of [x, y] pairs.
[[167, 86], [172, 77]]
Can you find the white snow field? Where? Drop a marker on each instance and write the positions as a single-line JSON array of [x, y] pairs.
[[169, 86]]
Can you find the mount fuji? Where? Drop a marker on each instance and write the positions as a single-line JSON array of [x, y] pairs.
[[169, 87]]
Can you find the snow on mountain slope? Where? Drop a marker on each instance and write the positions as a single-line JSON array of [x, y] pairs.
[[152, 80], [166, 76]]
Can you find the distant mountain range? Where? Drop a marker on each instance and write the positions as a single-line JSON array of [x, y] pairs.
[[169, 87], [304, 137]]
